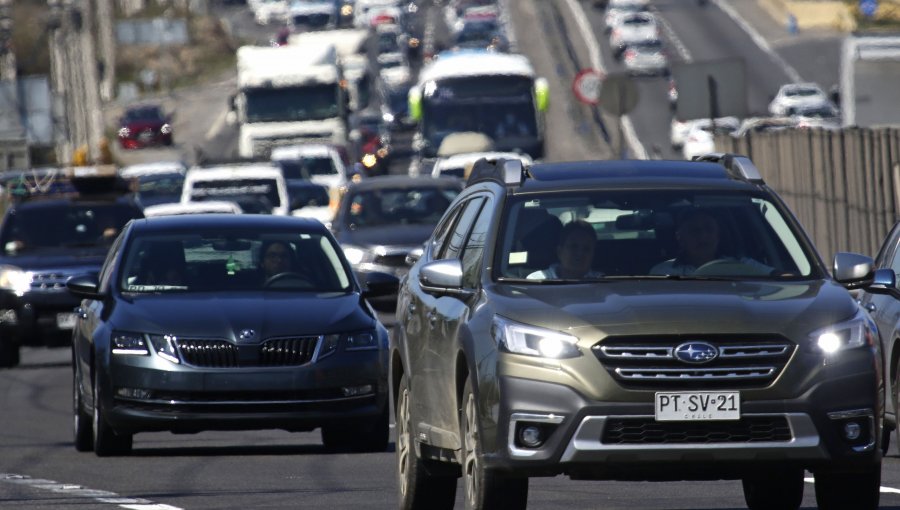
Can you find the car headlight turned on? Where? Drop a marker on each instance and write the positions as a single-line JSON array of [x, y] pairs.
[[15, 279], [125, 343], [165, 129], [530, 340], [354, 255], [844, 335], [124, 132]]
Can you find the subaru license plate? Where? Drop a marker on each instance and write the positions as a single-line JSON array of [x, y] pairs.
[[698, 406]]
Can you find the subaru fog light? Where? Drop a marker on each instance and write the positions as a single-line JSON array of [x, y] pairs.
[[531, 436]]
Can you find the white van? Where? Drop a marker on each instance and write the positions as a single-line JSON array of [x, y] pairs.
[[256, 188]]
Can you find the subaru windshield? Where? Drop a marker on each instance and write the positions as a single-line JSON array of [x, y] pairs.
[[653, 234]]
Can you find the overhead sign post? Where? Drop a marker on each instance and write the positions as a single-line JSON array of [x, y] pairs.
[[618, 97], [587, 85]]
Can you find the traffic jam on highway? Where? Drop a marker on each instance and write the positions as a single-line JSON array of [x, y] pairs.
[[404, 253]]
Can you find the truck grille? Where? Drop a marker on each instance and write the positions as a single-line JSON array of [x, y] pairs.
[[752, 429], [276, 352], [650, 362]]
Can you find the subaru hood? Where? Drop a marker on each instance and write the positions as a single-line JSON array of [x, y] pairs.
[[677, 307]]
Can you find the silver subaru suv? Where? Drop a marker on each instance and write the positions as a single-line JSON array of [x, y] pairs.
[[633, 320]]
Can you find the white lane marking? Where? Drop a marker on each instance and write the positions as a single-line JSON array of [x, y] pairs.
[[760, 41], [887, 490], [587, 34], [79, 491]]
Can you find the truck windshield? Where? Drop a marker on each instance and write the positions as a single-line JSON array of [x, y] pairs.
[[501, 107], [291, 104]]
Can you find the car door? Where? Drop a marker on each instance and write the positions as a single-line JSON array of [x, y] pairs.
[[88, 319], [428, 385], [885, 310], [449, 312]]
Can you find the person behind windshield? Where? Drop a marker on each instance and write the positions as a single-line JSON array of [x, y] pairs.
[[277, 257], [698, 241], [575, 252]]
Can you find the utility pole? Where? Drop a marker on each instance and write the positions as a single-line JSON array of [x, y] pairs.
[[58, 26], [93, 111], [107, 44]]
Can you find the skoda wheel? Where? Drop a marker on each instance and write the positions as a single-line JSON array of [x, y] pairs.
[[774, 490], [107, 442], [417, 487], [83, 426], [859, 490], [484, 490]]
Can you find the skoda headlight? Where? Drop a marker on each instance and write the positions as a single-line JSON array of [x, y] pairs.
[[354, 254], [129, 343], [14, 279], [844, 335], [529, 340], [164, 346]]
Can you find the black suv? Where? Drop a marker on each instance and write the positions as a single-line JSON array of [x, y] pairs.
[[60, 223], [633, 320]]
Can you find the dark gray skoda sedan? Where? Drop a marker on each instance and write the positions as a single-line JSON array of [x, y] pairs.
[[228, 322]]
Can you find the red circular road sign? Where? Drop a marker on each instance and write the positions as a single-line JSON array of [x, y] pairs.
[[587, 85]]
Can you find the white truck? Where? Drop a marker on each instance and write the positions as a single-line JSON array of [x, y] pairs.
[[351, 46], [288, 95]]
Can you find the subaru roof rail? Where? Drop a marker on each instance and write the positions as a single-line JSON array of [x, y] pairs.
[[737, 165], [507, 172]]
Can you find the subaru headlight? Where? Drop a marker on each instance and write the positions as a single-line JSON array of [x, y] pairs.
[[15, 279], [844, 335], [354, 254], [127, 343], [529, 340], [164, 347]]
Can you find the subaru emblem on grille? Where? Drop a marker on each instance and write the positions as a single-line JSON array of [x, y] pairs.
[[246, 334], [696, 352]]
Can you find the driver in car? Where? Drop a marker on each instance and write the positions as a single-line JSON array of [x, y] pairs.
[[277, 258], [698, 241]]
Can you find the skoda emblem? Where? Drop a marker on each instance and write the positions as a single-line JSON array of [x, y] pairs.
[[246, 335], [696, 352]]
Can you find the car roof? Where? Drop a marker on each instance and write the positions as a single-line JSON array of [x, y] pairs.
[[403, 181], [289, 152], [262, 171], [205, 207], [630, 174], [254, 222], [152, 168]]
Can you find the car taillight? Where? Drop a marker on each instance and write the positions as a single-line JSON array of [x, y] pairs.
[[630, 54]]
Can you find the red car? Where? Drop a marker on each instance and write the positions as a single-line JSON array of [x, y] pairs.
[[144, 126]]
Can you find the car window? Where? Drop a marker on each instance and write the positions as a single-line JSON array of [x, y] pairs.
[[218, 261], [107, 269], [65, 225], [398, 206], [306, 167], [895, 259], [255, 196], [457, 238], [474, 249], [646, 233]]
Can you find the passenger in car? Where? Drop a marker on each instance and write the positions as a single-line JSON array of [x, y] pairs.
[[698, 241], [575, 252]]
